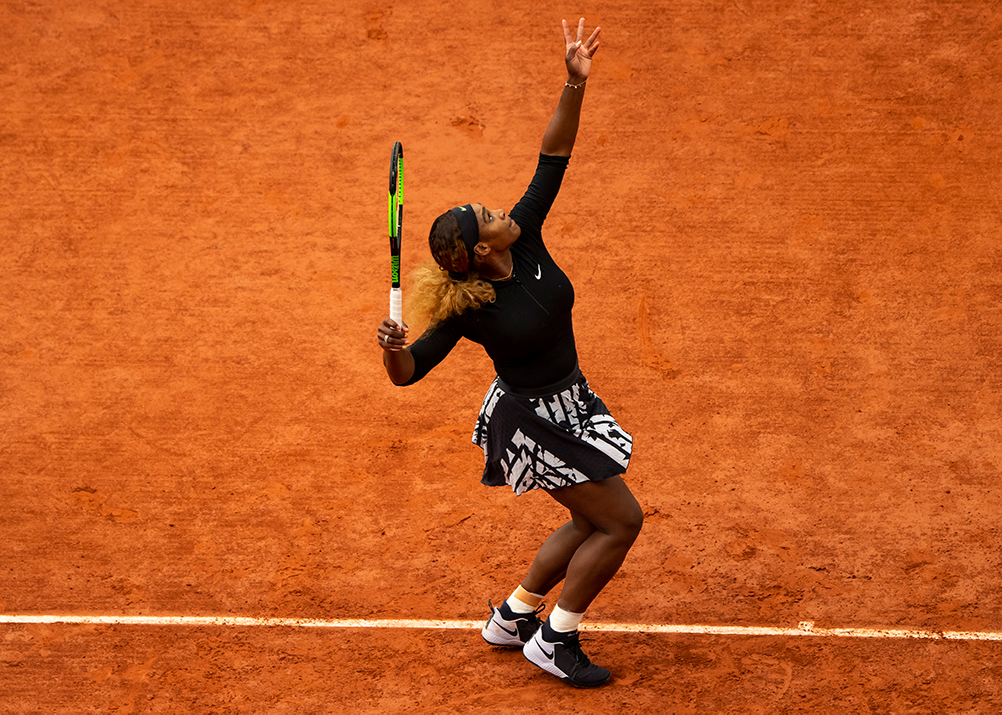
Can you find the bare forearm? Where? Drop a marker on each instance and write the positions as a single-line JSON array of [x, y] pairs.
[[563, 128], [399, 365], [397, 359]]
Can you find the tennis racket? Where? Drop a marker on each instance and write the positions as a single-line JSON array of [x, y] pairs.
[[396, 221]]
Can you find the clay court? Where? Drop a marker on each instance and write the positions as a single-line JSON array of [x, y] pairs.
[[782, 221]]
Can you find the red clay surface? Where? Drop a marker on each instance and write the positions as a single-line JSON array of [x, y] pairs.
[[782, 223]]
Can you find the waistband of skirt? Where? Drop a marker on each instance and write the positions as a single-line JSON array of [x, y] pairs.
[[543, 390]]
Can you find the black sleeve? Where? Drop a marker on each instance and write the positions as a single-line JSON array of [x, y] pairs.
[[432, 347], [530, 212]]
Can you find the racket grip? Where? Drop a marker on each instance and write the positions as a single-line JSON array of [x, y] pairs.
[[396, 306]]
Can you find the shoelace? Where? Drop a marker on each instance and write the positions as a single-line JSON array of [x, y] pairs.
[[573, 644], [536, 620]]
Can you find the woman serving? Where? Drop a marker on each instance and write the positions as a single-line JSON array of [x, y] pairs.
[[540, 425]]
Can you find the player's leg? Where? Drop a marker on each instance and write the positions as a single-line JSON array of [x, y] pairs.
[[616, 517], [550, 565], [612, 510], [517, 619]]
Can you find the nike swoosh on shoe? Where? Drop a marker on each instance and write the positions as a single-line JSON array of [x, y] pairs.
[[511, 633]]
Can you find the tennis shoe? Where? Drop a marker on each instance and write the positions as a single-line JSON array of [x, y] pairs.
[[508, 629], [560, 654]]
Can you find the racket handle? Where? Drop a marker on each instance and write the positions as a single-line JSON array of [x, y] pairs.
[[396, 306]]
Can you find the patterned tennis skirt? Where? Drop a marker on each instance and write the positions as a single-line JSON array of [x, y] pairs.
[[549, 438]]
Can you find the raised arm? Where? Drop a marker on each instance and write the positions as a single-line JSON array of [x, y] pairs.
[[563, 129]]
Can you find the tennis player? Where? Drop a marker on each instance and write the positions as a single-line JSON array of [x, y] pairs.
[[540, 425]]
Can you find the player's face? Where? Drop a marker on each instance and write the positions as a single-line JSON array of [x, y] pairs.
[[497, 229]]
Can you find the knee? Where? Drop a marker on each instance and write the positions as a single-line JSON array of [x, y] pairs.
[[630, 522], [634, 521]]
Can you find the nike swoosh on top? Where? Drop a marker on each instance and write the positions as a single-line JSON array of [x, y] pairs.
[[548, 655], [539, 271]]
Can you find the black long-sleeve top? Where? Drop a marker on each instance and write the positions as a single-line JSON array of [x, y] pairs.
[[527, 330]]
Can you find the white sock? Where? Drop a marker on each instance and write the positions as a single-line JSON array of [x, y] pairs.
[[520, 601], [564, 621]]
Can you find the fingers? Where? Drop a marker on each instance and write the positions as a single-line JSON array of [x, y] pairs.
[[590, 46], [392, 336], [568, 40]]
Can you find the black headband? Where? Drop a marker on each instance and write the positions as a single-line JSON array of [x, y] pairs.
[[470, 231]]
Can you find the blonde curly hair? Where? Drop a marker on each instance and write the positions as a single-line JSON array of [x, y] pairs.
[[450, 284]]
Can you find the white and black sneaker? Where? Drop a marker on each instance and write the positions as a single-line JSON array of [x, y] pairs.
[[508, 629], [560, 654]]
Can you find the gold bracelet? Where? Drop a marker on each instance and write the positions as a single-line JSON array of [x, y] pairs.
[[575, 86]]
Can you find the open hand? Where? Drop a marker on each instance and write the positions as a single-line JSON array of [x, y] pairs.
[[579, 54]]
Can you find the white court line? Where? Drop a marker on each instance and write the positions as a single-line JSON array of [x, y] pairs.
[[805, 628]]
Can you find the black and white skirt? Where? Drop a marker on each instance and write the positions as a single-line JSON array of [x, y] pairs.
[[549, 438]]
